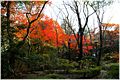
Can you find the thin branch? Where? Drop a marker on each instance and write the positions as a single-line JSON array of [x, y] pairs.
[[78, 15], [28, 29], [66, 9], [84, 9], [71, 8], [87, 20], [27, 17], [39, 13]]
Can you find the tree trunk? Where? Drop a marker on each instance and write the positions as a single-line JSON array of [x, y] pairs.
[[101, 44], [81, 45], [8, 23], [11, 58]]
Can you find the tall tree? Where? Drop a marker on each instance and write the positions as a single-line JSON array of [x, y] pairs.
[[75, 7], [11, 9], [99, 7]]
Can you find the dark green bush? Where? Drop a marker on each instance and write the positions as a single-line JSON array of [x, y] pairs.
[[66, 64], [34, 61], [54, 76], [113, 71], [86, 72], [90, 70], [45, 60], [87, 62], [5, 72], [48, 76]]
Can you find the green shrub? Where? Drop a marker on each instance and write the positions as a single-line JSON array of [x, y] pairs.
[[94, 71], [86, 72], [87, 62], [54, 76], [113, 71], [34, 61], [90, 70], [108, 66], [44, 60], [66, 64]]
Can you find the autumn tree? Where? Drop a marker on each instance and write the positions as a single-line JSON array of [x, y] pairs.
[[45, 31], [99, 7], [75, 8], [11, 9], [110, 33]]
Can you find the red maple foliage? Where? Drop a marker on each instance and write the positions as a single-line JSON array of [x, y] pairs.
[[50, 33]]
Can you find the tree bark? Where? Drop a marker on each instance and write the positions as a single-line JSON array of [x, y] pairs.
[[8, 23], [81, 45], [101, 45]]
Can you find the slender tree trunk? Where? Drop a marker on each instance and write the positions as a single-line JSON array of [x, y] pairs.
[[8, 23], [69, 49], [11, 55], [81, 45], [29, 47], [101, 44]]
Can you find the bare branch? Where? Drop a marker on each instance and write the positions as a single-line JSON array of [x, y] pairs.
[[66, 9], [27, 17], [39, 12], [28, 29], [78, 16], [87, 20], [71, 8]]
